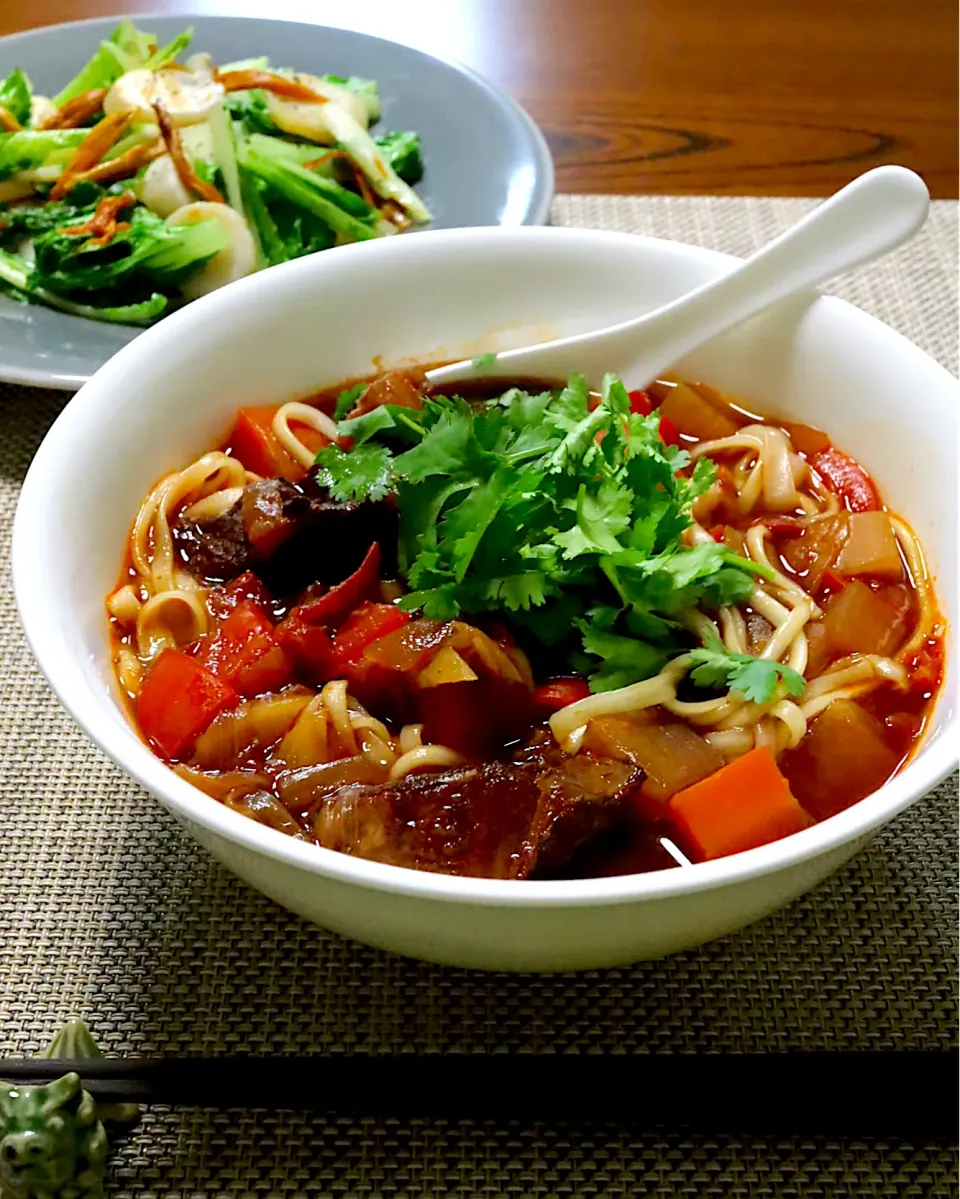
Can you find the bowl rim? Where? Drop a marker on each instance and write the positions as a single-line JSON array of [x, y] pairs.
[[931, 763], [539, 209]]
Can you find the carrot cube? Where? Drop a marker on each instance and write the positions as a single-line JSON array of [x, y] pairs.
[[745, 804]]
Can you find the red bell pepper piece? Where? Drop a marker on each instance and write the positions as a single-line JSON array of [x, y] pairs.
[[254, 442], [178, 700], [848, 479], [831, 581], [367, 624], [246, 586], [560, 693], [669, 433], [245, 653], [339, 601]]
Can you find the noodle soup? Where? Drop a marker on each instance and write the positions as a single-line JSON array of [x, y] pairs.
[[526, 632]]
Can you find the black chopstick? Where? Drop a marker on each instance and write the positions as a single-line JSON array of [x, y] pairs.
[[870, 1094]]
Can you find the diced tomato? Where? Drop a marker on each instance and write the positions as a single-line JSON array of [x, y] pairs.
[[246, 586], [367, 624], [831, 581], [746, 804], [250, 587], [560, 693], [783, 526], [668, 431], [245, 653], [848, 479], [339, 601], [310, 646], [254, 442], [642, 405], [178, 700], [925, 668]]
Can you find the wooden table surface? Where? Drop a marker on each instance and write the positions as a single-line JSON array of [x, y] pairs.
[[775, 97]]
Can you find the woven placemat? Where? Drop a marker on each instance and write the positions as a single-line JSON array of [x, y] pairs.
[[108, 911]]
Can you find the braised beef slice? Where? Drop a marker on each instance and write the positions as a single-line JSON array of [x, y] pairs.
[[400, 389], [289, 538], [217, 549], [499, 820], [581, 796]]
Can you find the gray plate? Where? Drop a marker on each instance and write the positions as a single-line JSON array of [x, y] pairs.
[[486, 161]]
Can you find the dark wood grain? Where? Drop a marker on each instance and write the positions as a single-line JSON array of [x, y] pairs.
[[697, 96]]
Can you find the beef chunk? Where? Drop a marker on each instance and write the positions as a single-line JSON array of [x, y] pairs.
[[330, 542], [271, 511], [217, 549], [580, 796], [289, 538], [498, 820], [400, 389]]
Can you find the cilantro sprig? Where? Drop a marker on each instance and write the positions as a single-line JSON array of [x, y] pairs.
[[756, 679], [565, 513]]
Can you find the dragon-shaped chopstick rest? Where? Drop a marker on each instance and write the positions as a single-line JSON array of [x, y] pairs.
[[52, 1141]]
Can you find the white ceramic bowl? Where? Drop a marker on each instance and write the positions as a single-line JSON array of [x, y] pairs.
[[172, 393]]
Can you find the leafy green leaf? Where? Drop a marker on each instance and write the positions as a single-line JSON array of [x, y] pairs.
[[625, 660], [387, 418], [347, 399], [567, 515], [173, 49], [402, 151], [449, 447], [363, 473], [756, 679], [15, 95], [126, 49], [483, 362]]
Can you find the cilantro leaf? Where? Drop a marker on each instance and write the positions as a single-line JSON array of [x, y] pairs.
[[483, 362], [394, 419], [756, 679], [449, 446], [567, 514], [600, 518], [346, 400], [364, 473], [625, 659], [528, 589]]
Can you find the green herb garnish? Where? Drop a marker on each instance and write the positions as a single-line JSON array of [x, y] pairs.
[[568, 516], [756, 679]]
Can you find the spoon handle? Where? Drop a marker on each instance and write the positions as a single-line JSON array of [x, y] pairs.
[[873, 214], [870, 216]]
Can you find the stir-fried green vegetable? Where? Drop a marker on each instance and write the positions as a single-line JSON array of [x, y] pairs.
[[566, 514], [99, 185], [15, 94]]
